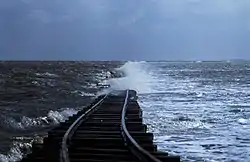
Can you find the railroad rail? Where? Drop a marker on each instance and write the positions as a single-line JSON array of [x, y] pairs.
[[110, 129]]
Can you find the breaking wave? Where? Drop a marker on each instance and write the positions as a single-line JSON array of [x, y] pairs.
[[16, 152], [22, 144], [135, 77], [52, 118], [20, 147]]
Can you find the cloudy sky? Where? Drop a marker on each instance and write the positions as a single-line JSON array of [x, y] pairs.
[[125, 29]]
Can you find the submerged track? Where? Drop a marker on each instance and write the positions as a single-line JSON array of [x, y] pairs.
[[108, 130]]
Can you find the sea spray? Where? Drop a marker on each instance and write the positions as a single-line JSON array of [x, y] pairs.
[[135, 77]]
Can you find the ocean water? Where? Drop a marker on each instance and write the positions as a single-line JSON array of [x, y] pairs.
[[198, 110], [36, 96]]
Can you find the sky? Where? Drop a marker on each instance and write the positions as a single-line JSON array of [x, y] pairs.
[[124, 30]]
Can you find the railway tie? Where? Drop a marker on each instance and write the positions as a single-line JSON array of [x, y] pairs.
[[110, 129]]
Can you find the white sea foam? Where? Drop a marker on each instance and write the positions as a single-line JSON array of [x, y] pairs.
[[20, 146], [242, 121], [46, 74], [15, 152], [87, 94], [52, 118], [82, 93]]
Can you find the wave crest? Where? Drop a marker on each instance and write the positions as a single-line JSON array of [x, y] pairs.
[[15, 153], [52, 118]]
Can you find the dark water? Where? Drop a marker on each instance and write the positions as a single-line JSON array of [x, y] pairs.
[[199, 110], [36, 96]]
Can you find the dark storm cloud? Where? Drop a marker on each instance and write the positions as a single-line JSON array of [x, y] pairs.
[[111, 29]]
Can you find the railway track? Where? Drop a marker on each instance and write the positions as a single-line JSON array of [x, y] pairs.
[[109, 130]]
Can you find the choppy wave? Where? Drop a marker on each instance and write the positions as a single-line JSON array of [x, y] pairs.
[[22, 144], [52, 118], [20, 147], [16, 152]]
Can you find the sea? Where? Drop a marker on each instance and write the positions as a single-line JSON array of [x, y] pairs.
[[199, 110]]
